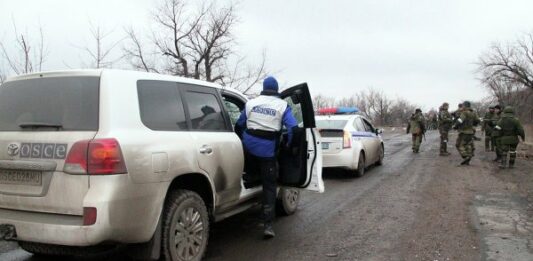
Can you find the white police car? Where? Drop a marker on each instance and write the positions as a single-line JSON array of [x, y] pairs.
[[349, 140]]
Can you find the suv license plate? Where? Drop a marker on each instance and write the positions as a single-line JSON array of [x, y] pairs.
[[21, 177], [325, 146]]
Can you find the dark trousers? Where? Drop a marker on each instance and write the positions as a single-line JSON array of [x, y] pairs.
[[267, 169]]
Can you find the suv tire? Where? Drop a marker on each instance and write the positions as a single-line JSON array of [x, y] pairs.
[[287, 202], [185, 213]]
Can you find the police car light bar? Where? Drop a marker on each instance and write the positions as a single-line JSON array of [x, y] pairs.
[[338, 110]]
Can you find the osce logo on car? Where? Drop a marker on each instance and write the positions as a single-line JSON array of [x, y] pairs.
[[38, 150]]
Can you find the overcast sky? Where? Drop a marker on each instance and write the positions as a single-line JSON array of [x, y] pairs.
[[420, 50]]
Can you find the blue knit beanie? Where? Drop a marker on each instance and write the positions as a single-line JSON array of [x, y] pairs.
[[270, 84]]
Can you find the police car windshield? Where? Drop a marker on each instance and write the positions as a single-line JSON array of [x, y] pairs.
[[331, 124], [51, 104]]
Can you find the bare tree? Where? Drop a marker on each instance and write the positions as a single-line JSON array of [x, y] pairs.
[[2, 76], [27, 55], [400, 111], [137, 54], [244, 77], [195, 41], [322, 101], [379, 105], [100, 53], [512, 62]]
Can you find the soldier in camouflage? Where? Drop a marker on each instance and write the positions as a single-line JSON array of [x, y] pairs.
[[466, 122], [510, 129], [417, 128], [495, 134], [488, 125], [445, 124], [455, 116]]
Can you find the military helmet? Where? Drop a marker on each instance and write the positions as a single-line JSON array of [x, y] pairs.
[[418, 110], [498, 107], [508, 109], [466, 104]]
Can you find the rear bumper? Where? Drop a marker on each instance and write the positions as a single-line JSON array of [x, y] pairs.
[[126, 213], [344, 159]]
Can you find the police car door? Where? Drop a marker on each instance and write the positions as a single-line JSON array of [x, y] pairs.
[[300, 165]]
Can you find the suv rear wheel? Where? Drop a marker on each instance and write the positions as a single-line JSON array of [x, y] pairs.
[[185, 226], [288, 199]]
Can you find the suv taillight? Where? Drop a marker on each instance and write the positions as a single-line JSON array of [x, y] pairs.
[[347, 140], [95, 157]]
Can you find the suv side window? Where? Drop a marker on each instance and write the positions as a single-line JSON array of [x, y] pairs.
[[161, 106], [234, 107], [204, 111]]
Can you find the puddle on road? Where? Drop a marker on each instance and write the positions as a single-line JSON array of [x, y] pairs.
[[506, 230]]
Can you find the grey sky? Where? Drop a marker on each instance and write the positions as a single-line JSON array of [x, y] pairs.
[[420, 50]]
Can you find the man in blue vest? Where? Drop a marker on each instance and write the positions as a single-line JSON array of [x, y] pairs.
[[260, 125]]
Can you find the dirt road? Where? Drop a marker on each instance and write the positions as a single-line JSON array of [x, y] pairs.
[[414, 207]]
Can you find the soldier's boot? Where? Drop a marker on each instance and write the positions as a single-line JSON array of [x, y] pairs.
[[512, 159], [466, 161], [503, 162]]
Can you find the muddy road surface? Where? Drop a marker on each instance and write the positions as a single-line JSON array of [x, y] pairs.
[[414, 207]]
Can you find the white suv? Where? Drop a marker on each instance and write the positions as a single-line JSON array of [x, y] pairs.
[[350, 141], [93, 159]]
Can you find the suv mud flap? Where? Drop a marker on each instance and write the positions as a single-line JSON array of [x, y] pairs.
[[7, 232], [150, 250]]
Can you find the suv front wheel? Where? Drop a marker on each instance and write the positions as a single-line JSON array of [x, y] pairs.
[[288, 199], [185, 226]]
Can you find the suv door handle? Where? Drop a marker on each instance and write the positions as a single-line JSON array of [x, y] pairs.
[[206, 149]]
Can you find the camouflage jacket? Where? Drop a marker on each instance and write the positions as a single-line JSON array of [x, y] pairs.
[[489, 121], [495, 132], [445, 120], [417, 124], [510, 128], [467, 120]]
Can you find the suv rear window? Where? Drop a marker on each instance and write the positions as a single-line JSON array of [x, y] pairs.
[[56, 103], [331, 124], [161, 106]]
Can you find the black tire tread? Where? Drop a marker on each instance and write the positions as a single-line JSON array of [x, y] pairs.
[[173, 200]]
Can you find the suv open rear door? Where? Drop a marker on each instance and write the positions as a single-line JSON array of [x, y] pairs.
[[300, 165]]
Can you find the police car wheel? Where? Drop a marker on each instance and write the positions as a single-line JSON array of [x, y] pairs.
[[360, 171], [381, 155], [287, 202]]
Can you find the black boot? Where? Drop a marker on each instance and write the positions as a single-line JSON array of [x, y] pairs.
[[466, 161], [269, 231]]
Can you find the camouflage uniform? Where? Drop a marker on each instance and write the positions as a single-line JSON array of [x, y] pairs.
[[488, 125], [416, 127], [495, 134], [467, 121], [455, 116], [445, 124], [510, 128]]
